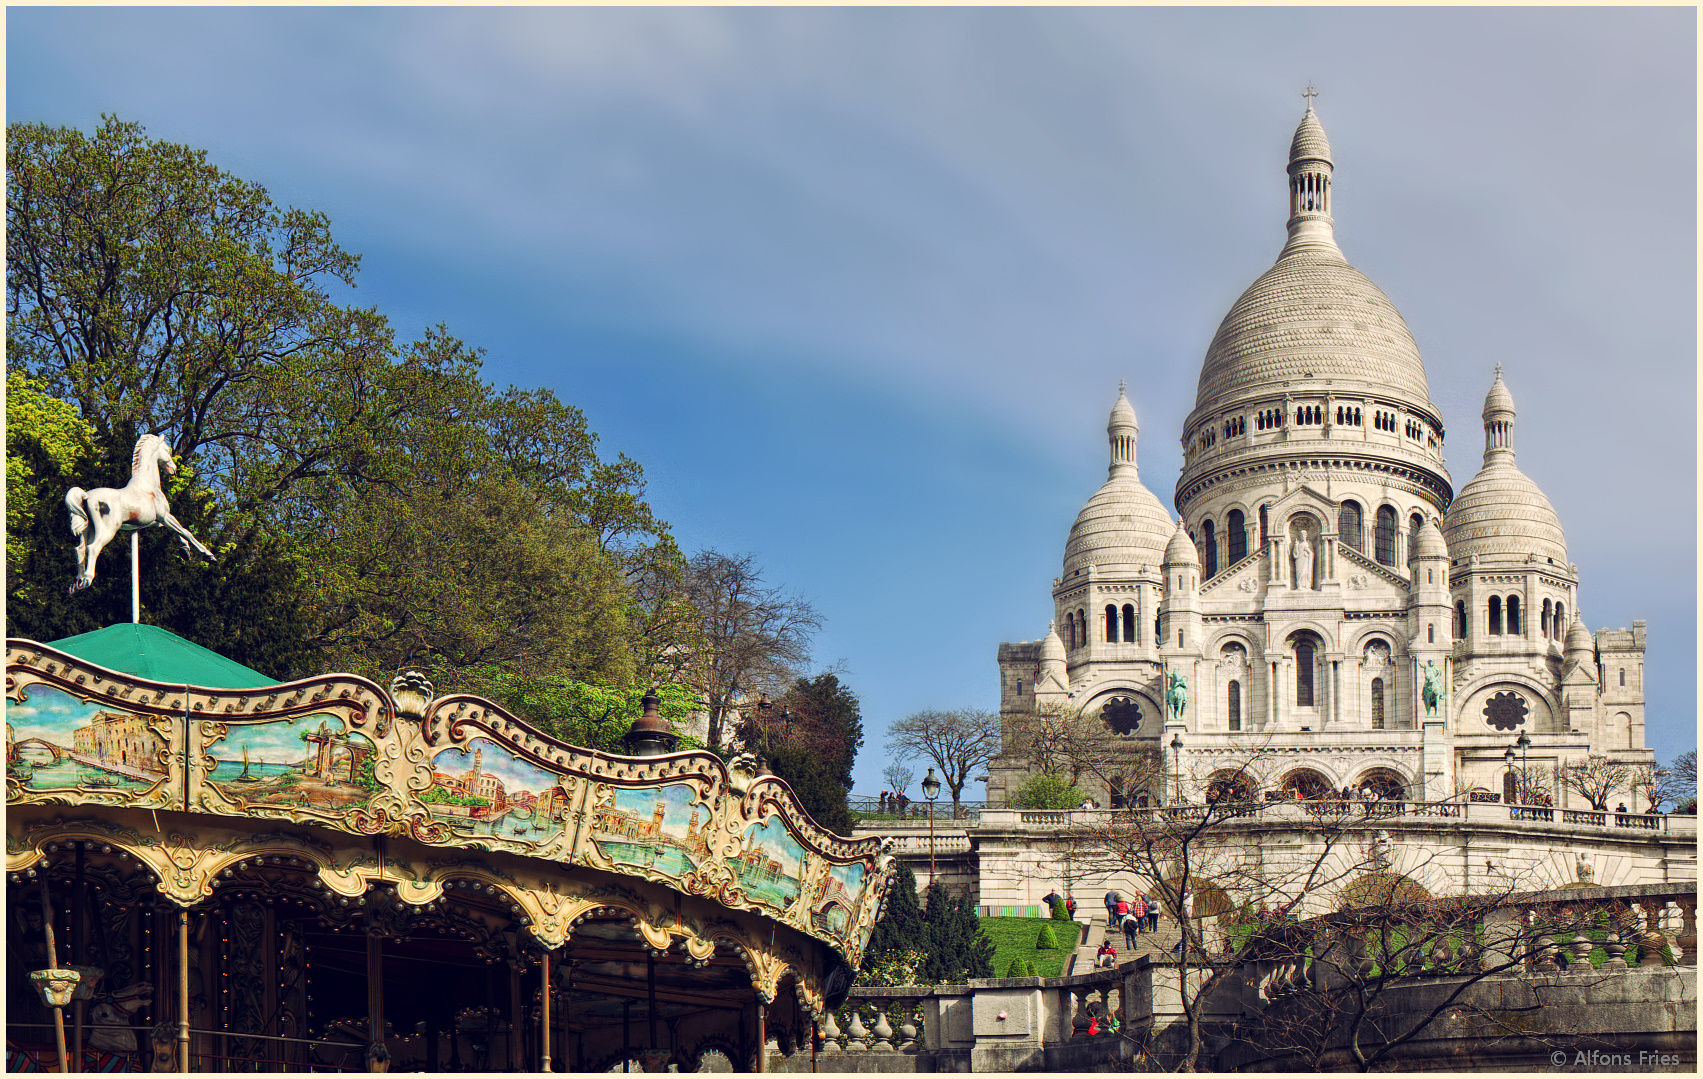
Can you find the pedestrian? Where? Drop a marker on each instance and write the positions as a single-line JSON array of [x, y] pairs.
[[1070, 905], [1152, 915], [881, 806], [1107, 956], [1051, 899], [1621, 808], [1132, 929], [1132, 908], [1119, 911], [1112, 898]]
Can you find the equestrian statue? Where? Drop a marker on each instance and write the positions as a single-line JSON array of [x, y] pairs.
[[1176, 693], [99, 515], [1433, 691]]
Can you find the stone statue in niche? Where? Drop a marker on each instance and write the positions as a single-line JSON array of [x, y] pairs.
[[1587, 872], [1302, 555]]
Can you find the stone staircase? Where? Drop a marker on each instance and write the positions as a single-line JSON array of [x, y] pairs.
[[1159, 945]]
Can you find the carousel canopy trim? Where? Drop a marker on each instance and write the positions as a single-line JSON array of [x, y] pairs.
[[160, 656]]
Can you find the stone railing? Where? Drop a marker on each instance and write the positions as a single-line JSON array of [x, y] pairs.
[[1311, 811], [994, 1024]]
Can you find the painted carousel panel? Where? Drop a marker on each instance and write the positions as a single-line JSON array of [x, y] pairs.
[[486, 791], [84, 750], [310, 763], [770, 863], [665, 829]]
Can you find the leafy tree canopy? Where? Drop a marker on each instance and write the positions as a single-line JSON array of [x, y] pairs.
[[817, 784], [1046, 790]]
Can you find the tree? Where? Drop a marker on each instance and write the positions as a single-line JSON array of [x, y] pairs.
[[1061, 739], [1046, 790], [959, 743], [752, 635], [377, 504], [901, 927], [1684, 773], [898, 776], [958, 950], [579, 713], [817, 784], [1654, 785], [1595, 779], [819, 714]]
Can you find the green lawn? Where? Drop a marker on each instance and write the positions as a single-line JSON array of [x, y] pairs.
[[1014, 937]]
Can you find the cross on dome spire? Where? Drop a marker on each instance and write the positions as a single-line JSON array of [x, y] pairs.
[[1309, 93]]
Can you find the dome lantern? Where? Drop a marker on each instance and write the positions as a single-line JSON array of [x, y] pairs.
[[1123, 528], [1121, 431], [1310, 169], [1501, 515], [1498, 421]]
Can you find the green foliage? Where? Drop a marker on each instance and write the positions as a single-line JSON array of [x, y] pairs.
[[892, 968], [1061, 913], [828, 720], [373, 505], [1016, 969], [1014, 938], [592, 716], [901, 928], [439, 796], [1046, 790], [1045, 941], [817, 784], [958, 949]]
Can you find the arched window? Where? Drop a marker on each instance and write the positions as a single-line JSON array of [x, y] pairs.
[[1233, 706], [1129, 623], [1460, 620], [1116, 789], [1414, 524], [1348, 525], [1303, 673], [1385, 537], [1262, 526], [1082, 627], [1111, 624], [1430, 633], [1377, 704], [1157, 632], [1495, 615], [1514, 615], [1543, 619], [1236, 536], [1211, 549], [1560, 623], [1508, 795], [1623, 676]]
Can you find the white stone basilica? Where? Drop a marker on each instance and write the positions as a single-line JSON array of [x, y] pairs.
[[1323, 566]]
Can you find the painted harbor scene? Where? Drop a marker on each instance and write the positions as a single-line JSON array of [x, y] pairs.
[[55, 741], [663, 828], [485, 790], [770, 863], [307, 761]]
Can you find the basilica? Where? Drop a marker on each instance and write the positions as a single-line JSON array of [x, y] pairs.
[[1326, 603]]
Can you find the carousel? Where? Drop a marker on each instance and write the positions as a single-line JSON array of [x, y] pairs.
[[209, 871]]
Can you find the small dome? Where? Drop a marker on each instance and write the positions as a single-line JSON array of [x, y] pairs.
[[1502, 516], [1052, 649], [1123, 413], [1579, 638], [1309, 143], [1429, 543], [1498, 400], [1123, 527], [1180, 551]]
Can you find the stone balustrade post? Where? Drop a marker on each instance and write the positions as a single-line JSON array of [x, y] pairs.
[[1621, 923], [1078, 1002], [830, 1035], [1685, 954], [883, 1030], [857, 1036], [908, 1039], [1651, 941], [1578, 950]]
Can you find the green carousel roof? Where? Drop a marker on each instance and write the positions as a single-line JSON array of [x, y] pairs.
[[160, 656]]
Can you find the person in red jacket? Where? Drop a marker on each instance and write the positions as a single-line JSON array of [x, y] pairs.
[[1107, 956]]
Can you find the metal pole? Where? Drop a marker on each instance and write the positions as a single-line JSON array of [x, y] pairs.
[[650, 1008], [762, 1040], [53, 964], [544, 1015], [517, 1019], [626, 1043], [815, 1044], [183, 991], [375, 990], [79, 955], [135, 577], [931, 841]]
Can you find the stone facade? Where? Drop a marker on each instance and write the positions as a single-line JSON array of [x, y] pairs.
[[1322, 563]]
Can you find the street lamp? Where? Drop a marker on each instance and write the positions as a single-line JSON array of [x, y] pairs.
[[1177, 764], [1512, 790], [931, 791]]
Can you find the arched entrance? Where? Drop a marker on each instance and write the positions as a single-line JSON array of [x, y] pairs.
[[1384, 784], [1306, 785]]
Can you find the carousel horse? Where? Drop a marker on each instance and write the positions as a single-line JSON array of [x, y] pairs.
[[99, 515], [109, 1019]]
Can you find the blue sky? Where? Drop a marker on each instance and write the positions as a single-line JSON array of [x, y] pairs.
[[857, 286]]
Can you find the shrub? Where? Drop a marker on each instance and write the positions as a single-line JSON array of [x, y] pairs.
[[1015, 970], [1046, 790], [1045, 941], [1029, 969], [1060, 913]]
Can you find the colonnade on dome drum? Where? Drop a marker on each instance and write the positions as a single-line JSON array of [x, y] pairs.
[[330, 875]]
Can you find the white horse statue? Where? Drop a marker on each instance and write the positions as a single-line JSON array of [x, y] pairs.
[[98, 515], [109, 1019]]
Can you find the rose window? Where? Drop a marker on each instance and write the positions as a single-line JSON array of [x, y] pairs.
[[1506, 711]]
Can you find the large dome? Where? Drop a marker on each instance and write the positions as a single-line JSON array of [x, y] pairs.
[[1123, 527], [1501, 515], [1310, 318]]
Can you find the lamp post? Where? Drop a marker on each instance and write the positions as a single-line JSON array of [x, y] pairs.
[[931, 791], [1524, 741], [1513, 792], [1177, 764]]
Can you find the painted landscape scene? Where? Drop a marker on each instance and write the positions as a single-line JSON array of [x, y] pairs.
[[485, 790], [55, 741], [835, 897], [663, 828], [770, 863], [306, 761]]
